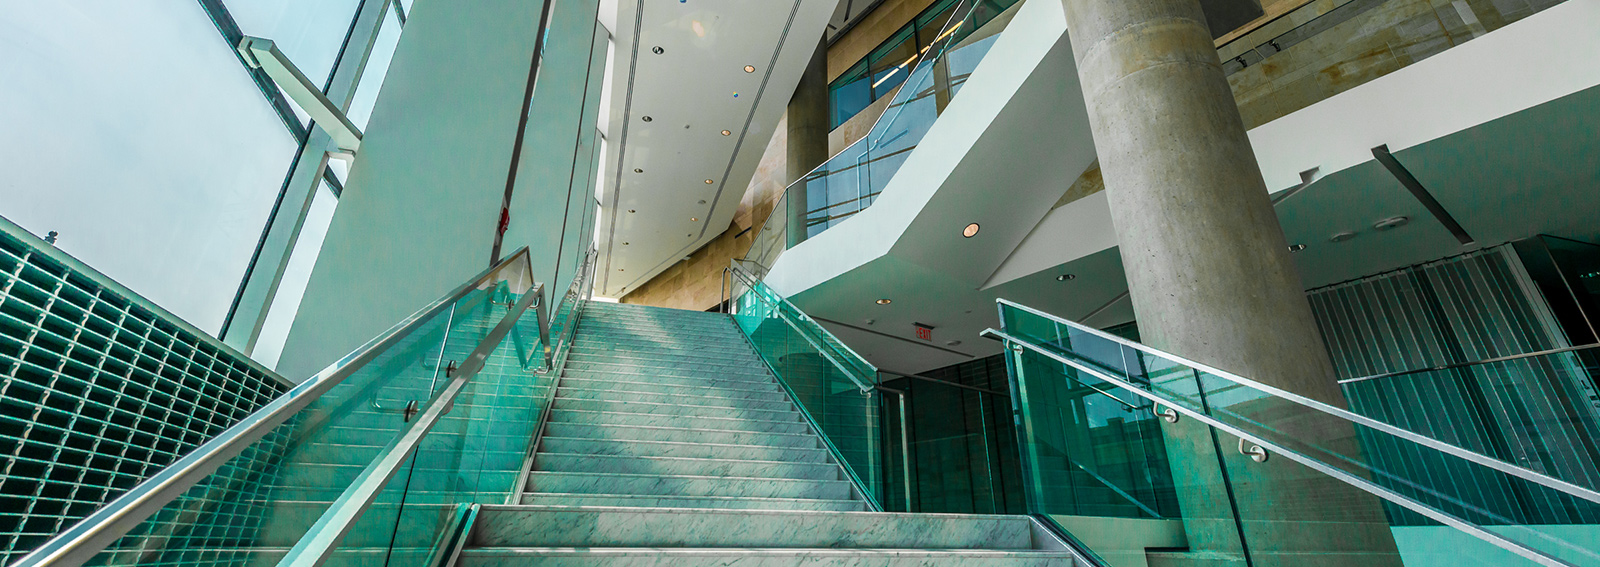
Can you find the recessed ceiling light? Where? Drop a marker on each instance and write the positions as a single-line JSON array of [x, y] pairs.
[[694, 219], [702, 201], [970, 231], [727, 132], [632, 211], [953, 343], [749, 68], [1341, 237], [1061, 278], [624, 244], [1391, 222], [884, 301], [1296, 248], [708, 182], [637, 170], [647, 119], [657, 50]]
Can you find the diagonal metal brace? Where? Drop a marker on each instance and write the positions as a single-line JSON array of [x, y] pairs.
[[263, 54]]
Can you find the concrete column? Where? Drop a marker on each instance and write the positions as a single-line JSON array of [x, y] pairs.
[[808, 137], [1211, 279]]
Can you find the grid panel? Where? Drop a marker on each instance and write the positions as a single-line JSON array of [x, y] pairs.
[[99, 392]]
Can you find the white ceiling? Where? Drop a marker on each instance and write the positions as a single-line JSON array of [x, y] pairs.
[[688, 91]]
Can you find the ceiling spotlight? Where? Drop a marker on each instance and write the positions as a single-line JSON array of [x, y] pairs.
[[632, 211], [708, 182], [970, 231], [702, 201], [637, 170], [1296, 248], [727, 132], [657, 50], [953, 343], [1341, 237], [1391, 222], [871, 321], [624, 244], [1062, 278], [693, 219], [749, 68], [647, 119], [884, 301]]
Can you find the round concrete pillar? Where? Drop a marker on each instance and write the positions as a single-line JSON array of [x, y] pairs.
[[1211, 279]]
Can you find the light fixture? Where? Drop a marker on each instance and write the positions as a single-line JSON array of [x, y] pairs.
[[624, 244], [693, 219], [638, 170], [1341, 237], [1296, 248], [1062, 278], [952, 343], [1391, 222], [647, 119], [749, 68], [884, 301], [708, 182], [970, 231], [632, 211], [702, 201], [727, 132], [657, 50]]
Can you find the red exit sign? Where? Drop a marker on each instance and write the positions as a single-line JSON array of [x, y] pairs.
[[924, 332]]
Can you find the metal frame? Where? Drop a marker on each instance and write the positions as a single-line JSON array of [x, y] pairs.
[[1354, 480], [1470, 364], [325, 536], [580, 293], [83, 540], [1453, 450]]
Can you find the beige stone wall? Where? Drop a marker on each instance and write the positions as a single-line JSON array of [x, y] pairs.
[[697, 282]]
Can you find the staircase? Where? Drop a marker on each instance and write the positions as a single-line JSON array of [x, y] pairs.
[[671, 442]]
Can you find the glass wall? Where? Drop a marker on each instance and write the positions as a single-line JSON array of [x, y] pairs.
[[134, 132], [962, 439]]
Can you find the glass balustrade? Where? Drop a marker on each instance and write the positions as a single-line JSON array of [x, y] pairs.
[[1113, 428]]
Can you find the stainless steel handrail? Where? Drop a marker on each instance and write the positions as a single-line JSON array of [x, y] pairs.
[[1507, 358], [750, 281], [1435, 444], [324, 537], [1358, 482], [83, 540], [579, 293]]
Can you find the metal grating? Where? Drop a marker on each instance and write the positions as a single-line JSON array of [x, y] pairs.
[[100, 390]]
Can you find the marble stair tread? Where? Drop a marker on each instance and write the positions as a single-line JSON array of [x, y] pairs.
[[719, 356], [684, 421], [680, 435], [578, 393], [675, 409], [688, 450], [751, 374], [736, 557], [601, 341], [684, 485], [694, 366], [767, 384], [559, 526], [634, 464], [767, 393], [689, 502]]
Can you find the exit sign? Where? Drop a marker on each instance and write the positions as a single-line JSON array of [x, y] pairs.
[[924, 332]]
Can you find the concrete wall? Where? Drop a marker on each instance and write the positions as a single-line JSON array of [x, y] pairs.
[[423, 198]]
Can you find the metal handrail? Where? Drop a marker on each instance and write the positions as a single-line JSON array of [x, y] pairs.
[[1529, 475], [83, 540], [324, 537], [750, 281], [1453, 366], [580, 293], [1363, 484]]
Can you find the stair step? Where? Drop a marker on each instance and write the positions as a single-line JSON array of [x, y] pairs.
[[770, 392], [674, 409], [641, 557], [687, 450], [678, 434], [563, 462], [658, 356], [552, 526], [646, 484], [751, 374], [691, 502], [734, 345], [692, 365], [572, 393], [682, 421], [763, 383]]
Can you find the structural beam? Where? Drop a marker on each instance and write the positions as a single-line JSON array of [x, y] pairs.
[[263, 54]]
